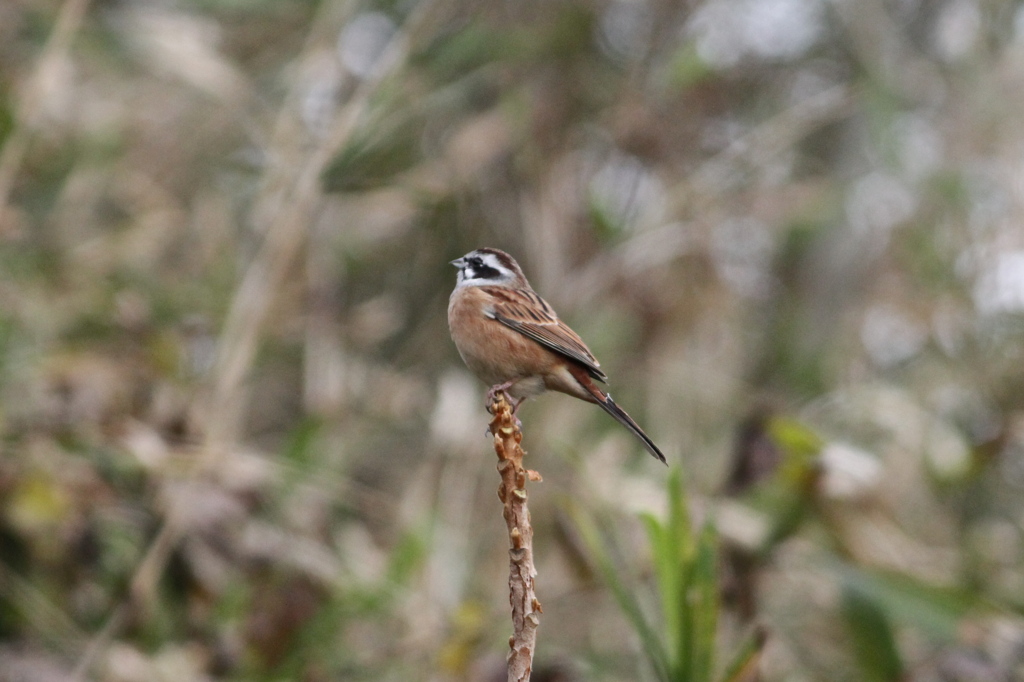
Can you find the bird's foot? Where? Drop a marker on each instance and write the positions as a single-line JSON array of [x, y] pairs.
[[493, 392], [500, 388]]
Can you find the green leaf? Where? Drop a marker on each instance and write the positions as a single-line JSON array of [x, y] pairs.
[[405, 558], [683, 648], [372, 159], [672, 549], [686, 68], [454, 55], [685, 569], [937, 611], [745, 657], [300, 449], [664, 574], [703, 604], [871, 636], [800, 443], [652, 645]]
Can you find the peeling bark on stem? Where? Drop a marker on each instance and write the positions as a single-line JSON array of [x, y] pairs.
[[521, 572]]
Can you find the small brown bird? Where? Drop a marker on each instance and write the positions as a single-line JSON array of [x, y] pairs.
[[512, 339]]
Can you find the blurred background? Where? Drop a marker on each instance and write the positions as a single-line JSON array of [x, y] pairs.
[[238, 444]]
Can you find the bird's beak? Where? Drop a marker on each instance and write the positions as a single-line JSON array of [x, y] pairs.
[[458, 262]]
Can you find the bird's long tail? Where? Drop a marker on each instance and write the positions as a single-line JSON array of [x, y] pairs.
[[619, 414]]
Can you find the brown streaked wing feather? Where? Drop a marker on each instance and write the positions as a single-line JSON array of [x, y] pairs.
[[527, 313]]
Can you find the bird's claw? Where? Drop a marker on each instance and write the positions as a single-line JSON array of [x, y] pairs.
[[493, 392]]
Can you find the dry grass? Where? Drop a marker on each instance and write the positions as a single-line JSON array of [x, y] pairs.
[[238, 444]]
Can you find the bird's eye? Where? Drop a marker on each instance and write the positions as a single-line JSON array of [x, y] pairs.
[[476, 262]]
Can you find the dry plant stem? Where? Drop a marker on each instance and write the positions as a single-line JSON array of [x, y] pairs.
[[521, 572], [26, 116], [281, 218]]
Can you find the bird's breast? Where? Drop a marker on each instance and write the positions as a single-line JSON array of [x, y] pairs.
[[491, 350]]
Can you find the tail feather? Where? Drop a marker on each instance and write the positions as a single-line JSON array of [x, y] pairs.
[[623, 418], [608, 405]]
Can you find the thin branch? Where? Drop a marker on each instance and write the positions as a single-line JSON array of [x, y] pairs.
[[281, 218], [27, 113], [44, 616], [521, 572]]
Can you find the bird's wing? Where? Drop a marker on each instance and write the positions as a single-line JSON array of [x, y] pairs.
[[527, 313]]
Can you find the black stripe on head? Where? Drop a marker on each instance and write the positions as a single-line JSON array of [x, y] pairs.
[[477, 269], [506, 260]]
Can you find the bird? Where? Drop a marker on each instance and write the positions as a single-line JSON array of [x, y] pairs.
[[512, 339]]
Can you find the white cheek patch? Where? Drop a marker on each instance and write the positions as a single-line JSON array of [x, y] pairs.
[[488, 270], [467, 281]]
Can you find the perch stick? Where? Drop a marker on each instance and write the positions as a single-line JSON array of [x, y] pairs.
[[521, 572]]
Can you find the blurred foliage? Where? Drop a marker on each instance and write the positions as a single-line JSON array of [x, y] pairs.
[[873, 642], [680, 646], [237, 443]]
